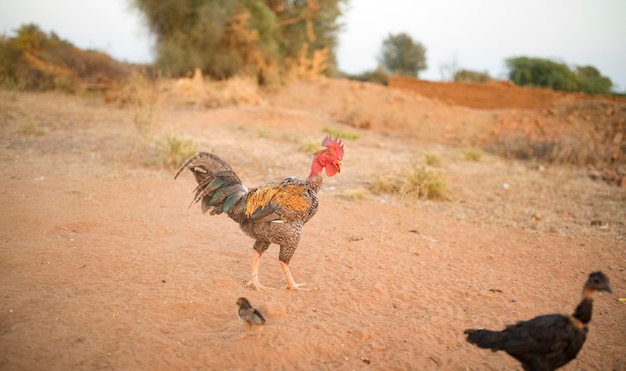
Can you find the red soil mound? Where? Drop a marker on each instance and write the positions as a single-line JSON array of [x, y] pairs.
[[497, 94]]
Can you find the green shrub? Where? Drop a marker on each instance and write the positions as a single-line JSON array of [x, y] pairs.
[[545, 73]]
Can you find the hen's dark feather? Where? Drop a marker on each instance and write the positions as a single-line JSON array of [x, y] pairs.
[[543, 343]]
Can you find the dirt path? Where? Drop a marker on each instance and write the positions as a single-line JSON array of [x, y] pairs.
[[104, 266]]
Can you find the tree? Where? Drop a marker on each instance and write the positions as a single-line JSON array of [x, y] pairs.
[[540, 72], [545, 73], [309, 26], [592, 82], [447, 71], [227, 37], [403, 56], [217, 36]]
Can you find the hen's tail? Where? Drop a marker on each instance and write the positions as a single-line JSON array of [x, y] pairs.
[[218, 185], [485, 339]]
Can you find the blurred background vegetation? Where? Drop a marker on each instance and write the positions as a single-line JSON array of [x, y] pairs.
[[544, 73], [268, 40], [225, 38], [34, 60]]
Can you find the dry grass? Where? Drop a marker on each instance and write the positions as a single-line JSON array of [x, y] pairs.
[[236, 91], [147, 95], [419, 183], [576, 132], [566, 150], [146, 100], [31, 127], [355, 194], [432, 159], [472, 154], [306, 66], [310, 145], [173, 149]]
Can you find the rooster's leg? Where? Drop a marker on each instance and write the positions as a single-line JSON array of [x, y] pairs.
[[291, 284], [254, 283]]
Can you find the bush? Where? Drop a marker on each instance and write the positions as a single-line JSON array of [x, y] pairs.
[[419, 183], [173, 149], [378, 76], [33, 60], [472, 154], [568, 150], [471, 76], [591, 81], [545, 73]]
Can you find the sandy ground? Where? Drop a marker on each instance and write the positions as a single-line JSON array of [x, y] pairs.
[[104, 266]]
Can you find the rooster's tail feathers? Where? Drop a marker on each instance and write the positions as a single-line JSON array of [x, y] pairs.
[[220, 195], [204, 164], [218, 185]]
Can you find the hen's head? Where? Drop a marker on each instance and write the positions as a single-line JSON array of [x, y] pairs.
[[597, 281], [329, 158]]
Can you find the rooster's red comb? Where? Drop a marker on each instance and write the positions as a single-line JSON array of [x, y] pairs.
[[334, 144]]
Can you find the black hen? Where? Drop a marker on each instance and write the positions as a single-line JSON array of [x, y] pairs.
[[545, 342]]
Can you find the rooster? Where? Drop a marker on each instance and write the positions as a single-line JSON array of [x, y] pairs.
[[545, 342], [272, 213]]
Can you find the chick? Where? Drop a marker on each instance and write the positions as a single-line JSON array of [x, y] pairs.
[[252, 318]]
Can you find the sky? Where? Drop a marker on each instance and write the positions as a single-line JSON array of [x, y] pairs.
[[477, 35]]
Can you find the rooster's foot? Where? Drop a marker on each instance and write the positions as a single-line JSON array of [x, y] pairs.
[[257, 286], [296, 287]]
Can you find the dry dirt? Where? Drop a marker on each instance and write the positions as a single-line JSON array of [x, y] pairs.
[[104, 266]]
